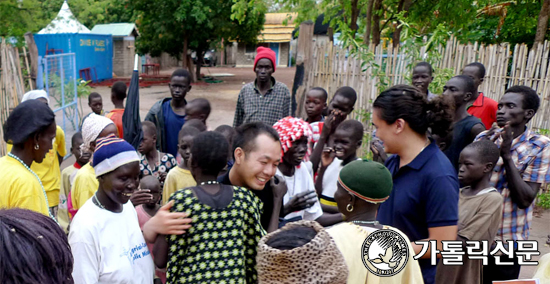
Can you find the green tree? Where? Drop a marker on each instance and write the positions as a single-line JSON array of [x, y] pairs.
[[174, 26], [90, 12], [18, 17]]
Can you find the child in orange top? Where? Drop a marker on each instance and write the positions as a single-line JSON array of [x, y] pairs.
[[118, 94]]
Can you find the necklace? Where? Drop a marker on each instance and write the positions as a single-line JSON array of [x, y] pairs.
[[374, 223], [39, 181], [97, 202], [209, 182]]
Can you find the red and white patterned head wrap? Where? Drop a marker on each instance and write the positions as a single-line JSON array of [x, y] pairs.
[[291, 129]]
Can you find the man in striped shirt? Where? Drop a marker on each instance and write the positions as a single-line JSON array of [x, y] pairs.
[[265, 100], [522, 168]]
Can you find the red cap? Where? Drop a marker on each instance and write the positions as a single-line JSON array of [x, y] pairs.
[[264, 52]]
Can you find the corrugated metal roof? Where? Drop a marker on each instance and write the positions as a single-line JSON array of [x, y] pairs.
[[116, 30], [274, 30]]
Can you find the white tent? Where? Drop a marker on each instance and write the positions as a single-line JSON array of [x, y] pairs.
[[64, 23]]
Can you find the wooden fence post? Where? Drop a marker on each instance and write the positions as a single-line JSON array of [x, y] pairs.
[[303, 64], [33, 52]]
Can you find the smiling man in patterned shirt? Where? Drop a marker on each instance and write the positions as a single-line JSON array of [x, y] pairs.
[[522, 168], [265, 99]]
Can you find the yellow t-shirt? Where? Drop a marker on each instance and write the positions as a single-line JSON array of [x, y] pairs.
[[349, 239], [62, 212], [177, 178], [84, 187], [48, 171], [20, 188]]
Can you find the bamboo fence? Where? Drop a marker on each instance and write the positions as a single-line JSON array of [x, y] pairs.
[[332, 67], [12, 83]]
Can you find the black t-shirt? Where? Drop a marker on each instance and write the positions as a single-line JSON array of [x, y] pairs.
[[265, 195], [461, 138]]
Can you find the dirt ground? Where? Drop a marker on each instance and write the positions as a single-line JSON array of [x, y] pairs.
[[223, 98]]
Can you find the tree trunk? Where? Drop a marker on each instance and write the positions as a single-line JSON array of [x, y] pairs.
[[330, 34], [184, 57], [542, 24], [354, 15], [376, 23], [368, 26], [303, 65], [404, 5], [200, 56]]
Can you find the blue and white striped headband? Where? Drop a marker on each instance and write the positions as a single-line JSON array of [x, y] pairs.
[[111, 153]]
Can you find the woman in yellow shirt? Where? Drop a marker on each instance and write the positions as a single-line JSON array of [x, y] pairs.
[[48, 170], [362, 186], [30, 129]]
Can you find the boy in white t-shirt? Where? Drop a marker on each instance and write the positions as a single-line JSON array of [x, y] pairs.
[[300, 201], [342, 149]]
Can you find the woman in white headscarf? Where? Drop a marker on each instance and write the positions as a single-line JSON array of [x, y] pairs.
[[85, 183]]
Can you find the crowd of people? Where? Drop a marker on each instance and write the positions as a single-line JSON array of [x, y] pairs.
[[274, 198]]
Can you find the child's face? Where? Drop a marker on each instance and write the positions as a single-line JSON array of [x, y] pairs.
[[421, 78], [470, 168], [75, 150], [295, 155], [179, 86], [155, 190], [148, 143], [343, 143], [314, 103], [340, 103], [96, 104], [184, 147]]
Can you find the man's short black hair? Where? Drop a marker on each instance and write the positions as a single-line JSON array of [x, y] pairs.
[[425, 64], [468, 82], [480, 68], [181, 73], [323, 92], [348, 93], [92, 96], [487, 151], [530, 98], [119, 89], [209, 152], [246, 134], [354, 126]]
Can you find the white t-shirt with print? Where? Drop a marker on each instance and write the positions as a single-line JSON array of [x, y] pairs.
[[302, 181], [109, 247]]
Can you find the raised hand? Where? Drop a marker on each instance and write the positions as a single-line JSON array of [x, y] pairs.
[[328, 156], [507, 137], [301, 201], [278, 185], [141, 197]]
